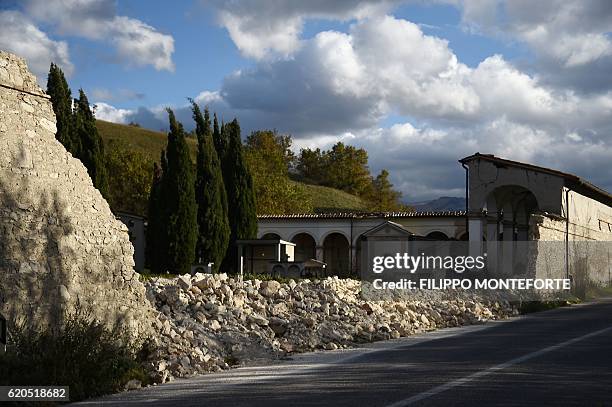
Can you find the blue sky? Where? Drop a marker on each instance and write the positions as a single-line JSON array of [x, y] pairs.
[[203, 55], [418, 84]]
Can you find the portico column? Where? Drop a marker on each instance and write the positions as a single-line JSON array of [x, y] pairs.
[[319, 252], [475, 228], [508, 247], [354, 261], [492, 241], [522, 249]]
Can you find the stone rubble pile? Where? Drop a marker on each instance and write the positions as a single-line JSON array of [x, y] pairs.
[[209, 322]]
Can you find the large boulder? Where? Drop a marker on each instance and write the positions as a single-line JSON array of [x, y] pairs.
[[61, 248]]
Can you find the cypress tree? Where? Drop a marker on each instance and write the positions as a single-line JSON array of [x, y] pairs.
[[91, 149], [155, 222], [240, 195], [213, 224], [61, 99], [178, 197], [220, 138]]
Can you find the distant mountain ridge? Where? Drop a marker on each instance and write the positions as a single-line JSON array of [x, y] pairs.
[[444, 203]]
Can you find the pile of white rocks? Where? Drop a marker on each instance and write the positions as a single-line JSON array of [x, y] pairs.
[[209, 322]]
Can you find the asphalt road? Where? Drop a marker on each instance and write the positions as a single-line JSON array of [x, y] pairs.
[[559, 357]]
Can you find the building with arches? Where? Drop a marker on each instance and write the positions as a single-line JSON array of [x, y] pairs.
[[508, 203], [334, 238], [513, 204]]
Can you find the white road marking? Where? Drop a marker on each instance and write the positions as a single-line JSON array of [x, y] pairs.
[[459, 382]]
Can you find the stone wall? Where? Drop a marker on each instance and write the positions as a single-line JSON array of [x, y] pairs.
[[61, 248], [587, 253]]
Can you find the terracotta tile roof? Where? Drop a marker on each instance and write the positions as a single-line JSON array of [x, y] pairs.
[[364, 215]]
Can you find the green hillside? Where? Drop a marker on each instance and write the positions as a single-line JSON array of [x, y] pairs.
[[146, 141], [151, 143], [325, 199]]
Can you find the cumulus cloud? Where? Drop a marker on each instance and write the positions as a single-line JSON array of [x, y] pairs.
[[346, 83], [207, 97], [343, 85], [261, 28], [20, 36], [136, 42], [571, 38], [340, 82], [423, 160], [109, 113]]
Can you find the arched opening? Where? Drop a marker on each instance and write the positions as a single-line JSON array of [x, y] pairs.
[[509, 208], [271, 236], [508, 211], [336, 254], [437, 235], [305, 247]]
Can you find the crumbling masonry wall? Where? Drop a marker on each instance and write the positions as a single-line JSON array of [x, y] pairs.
[[61, 248]]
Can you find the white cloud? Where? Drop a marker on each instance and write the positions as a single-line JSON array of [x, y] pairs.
[[141, 44], [258, 39], [342, 85], [109, 113], [323, 141], [206, 97], [423, 160], [263, 28], [136, 43], [570, 38], [494, 107], [345, 82], [20, 36]]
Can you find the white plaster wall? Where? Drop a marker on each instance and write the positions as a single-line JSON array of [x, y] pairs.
[[319, 229]]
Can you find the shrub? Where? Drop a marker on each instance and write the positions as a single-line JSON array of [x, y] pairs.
[[86, 356]]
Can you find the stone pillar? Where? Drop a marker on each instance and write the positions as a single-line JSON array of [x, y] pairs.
[[278, 253], [522, 248], [492, 241], [475, 229], [354, 260], [319, 251], [508, 247]]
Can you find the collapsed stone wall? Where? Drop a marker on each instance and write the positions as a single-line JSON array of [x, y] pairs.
[[211, 322], [61, 248]]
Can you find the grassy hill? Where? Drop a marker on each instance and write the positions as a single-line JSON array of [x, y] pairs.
[[325, 199], [146, 141], [151, 143]]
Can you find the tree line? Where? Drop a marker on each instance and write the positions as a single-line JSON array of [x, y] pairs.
[[276, 168], [198, 216], [197, 211]]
